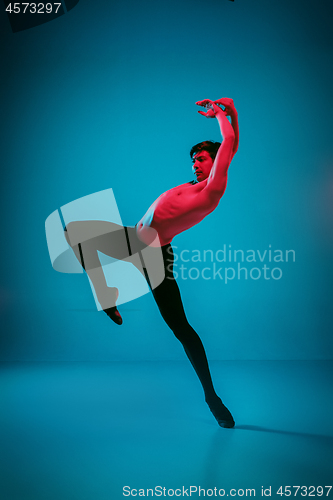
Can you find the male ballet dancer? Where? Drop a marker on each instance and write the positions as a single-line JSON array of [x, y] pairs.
[[172, 213]]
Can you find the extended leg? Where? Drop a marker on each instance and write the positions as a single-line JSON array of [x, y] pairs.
[[168, 299]]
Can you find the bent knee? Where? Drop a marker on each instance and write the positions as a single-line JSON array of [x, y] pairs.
[[72, 229], [66, 234]]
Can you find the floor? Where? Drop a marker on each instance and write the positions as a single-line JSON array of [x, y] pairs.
[[107, 431]]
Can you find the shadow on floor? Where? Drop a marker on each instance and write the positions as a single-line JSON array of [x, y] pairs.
[[327, 439]]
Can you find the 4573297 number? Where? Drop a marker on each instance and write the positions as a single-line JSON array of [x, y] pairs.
[[304, 491], [33, 8]]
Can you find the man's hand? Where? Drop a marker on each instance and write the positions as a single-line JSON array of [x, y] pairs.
[[229, 107], [212, 109]]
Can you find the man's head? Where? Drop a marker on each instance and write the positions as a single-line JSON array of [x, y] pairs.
[[203, 156]]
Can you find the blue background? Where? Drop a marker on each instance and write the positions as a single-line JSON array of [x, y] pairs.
[[105, 97]]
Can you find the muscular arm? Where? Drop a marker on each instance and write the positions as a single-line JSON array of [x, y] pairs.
[[234, 123], [231, 111], [217, 180]]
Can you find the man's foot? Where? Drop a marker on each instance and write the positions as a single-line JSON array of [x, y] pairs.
[[114, 314], [108, 303], [221, 413]]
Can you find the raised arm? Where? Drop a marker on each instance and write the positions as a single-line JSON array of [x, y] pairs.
[[232, 112], [217, 180]]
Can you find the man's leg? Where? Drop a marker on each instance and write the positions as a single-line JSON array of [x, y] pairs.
[[169, 302], [88, 237]]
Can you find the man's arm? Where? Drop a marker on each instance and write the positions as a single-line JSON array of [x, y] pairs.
[[217, 180], [234, 123]]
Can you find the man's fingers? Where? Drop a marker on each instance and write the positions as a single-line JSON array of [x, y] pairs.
[[215, 106], [219, 103], [228, 103], [204, 102], [209, 114], [211, 107]]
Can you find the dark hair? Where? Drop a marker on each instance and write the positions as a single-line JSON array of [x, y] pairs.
[[211, 147]]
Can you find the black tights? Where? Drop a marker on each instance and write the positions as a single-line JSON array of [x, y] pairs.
[[169, 302]]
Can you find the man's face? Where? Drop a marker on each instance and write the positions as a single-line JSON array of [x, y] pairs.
[[202, 165]]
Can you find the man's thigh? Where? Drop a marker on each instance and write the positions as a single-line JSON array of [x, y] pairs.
[[168, 299], [106, 237]]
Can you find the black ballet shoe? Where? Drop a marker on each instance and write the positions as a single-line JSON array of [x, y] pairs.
[[221, 413], [114, 314], [110, 296]]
